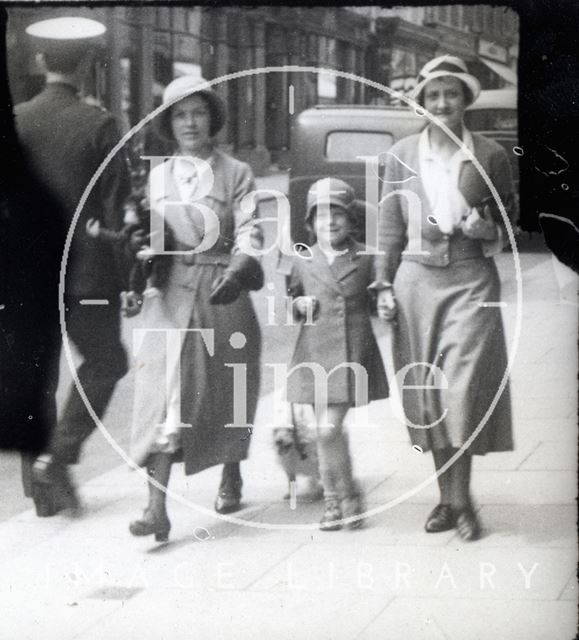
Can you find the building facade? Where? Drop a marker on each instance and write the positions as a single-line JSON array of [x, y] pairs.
[[486, 37], [145, 47]]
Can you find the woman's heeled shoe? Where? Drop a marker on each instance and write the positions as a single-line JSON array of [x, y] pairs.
[[53, 490], [44, 500], [441, 518], [228, 499], [148, 525], [467, 524]]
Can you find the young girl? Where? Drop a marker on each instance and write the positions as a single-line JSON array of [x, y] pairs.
[[331, 299]]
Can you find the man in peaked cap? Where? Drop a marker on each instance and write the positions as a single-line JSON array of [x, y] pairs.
[[65, 141]]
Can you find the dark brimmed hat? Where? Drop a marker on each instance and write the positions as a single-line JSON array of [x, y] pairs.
[[331, 191], [184, 87], [440, 67]]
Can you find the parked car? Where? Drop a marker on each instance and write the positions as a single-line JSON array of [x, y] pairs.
[[494, 115], [330, 140]]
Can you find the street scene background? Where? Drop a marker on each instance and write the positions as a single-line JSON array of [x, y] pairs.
[[89, 579]]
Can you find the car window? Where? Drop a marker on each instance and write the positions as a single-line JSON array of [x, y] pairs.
[[491, 119], [346, 146]]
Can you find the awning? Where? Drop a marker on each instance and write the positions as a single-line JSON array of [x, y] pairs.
[[502, 70]]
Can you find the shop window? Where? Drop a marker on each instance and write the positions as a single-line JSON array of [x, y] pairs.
[[233, 34], [455, 16], [277, 121], [186, 48], [275, 41], [509, 22], [163, 17], [208, 48], [327, 88], [488, 19], [179, 19], [313, 49], [499, 13], [403, 63], [327, 55], [162, 71], [476, 19], [310, 88], [127, 102]]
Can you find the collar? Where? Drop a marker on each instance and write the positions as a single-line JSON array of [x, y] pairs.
[[425, 148], [58, 86], [185, 169]]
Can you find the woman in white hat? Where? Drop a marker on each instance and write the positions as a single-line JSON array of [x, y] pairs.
[[435, 279], [198, 194]]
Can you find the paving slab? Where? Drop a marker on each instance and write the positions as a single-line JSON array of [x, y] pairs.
[[463, 619], [33, 615], [180, 615], [552, 455], [529, 525], [453, 571]]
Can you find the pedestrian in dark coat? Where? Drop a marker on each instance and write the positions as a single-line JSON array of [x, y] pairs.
[[330, 293], [65, 141], [438, 261]]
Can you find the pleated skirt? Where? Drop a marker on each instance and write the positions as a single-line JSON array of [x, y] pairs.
[[450, 356]]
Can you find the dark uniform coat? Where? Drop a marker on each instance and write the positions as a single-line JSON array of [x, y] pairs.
[[206, 364], [341, 333], [65, 142]]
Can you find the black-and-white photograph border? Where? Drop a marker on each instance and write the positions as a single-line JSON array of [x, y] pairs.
[[288, 317]]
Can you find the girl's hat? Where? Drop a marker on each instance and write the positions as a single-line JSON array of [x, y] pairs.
[[446, 66], [329, 191], [183, 87]]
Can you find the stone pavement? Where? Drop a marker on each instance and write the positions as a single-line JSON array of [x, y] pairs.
[[269, 572]]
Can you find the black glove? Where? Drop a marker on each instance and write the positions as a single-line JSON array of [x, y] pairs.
[[137, 238], [225, 289]]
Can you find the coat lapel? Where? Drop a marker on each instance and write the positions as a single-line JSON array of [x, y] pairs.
[[344, 265], [166, 198], [334, 274], [321, 269], [417, 185], [470, 181]]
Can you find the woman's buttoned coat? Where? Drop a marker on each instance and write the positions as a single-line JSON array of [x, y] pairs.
[[341, 332], [214, 342]]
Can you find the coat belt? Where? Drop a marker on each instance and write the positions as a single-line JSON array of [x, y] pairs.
[[191, 259]]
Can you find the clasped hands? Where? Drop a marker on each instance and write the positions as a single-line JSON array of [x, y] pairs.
[[386, 305], [307, 306]]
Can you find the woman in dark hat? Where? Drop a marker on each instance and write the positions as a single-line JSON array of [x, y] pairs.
[[448, 341], [184, 396]]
